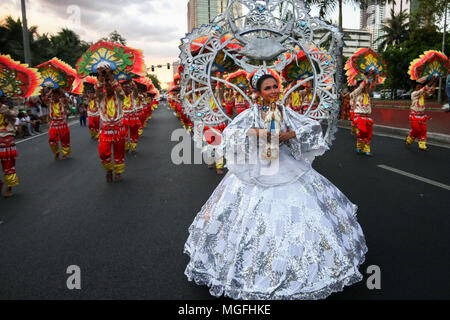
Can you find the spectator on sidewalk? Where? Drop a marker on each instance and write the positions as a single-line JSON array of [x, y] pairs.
[[22, 125], [82, 111], [34, 121]]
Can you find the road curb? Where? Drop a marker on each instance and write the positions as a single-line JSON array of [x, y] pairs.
[[432, 137]]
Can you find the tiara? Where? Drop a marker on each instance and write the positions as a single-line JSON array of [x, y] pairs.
[[258, 74]]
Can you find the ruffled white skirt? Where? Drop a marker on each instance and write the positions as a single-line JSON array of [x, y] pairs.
[[296, 241]]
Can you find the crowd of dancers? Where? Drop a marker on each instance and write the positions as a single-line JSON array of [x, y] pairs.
[[119, 105]]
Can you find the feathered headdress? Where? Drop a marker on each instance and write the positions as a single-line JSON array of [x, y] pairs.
[[363, 61], [431, 63], [120, 59], [299, 68], [57, 74], [238, 78], [18, 80]]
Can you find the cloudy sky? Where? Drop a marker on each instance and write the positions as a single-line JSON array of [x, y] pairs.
[[155, 26]]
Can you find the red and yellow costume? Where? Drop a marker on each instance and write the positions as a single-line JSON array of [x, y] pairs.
[[229, 104], [240, 103], [131, 121], [418, 118], [113, 131], [93, 118], [362, 111], [296, 101], [59, 130], [8, 151]]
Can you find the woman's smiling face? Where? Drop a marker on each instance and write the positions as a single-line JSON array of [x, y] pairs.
[[270, 92]]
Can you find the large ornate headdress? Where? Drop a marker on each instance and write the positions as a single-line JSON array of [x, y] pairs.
[[256, 35]]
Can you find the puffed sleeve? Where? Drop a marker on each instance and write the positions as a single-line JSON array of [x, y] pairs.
[[309, 142]]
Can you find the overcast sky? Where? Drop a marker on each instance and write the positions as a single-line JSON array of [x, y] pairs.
[[155, 26]]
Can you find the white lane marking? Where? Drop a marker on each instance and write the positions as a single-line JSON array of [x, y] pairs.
[[42, 134], [413, 176]]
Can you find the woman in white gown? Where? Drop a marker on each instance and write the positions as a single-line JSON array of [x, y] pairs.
[[275, 230]]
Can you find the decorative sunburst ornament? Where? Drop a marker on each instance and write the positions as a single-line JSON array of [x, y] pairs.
[[431, 63], [17, 79], [249, 36], [57, 74], [299, 68], [363, 61], [239, 78], [124, 61]]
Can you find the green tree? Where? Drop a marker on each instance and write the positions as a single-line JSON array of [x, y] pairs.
[[155, 81], [116, 38], [67, 46], [395, 30], [398, 57], [11, 39]]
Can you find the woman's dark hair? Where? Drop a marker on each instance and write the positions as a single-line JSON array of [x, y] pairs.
[[21, 115], [261, 80]]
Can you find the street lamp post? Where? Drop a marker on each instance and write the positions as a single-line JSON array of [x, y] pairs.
[[444, 38], [26, 38]]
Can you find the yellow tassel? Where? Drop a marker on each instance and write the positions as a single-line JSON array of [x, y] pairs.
[[410, 140], [423, 145], [108, 166], [119, 168], [133, 146], [54, 148], [11, 180], [141, 131], [219, 163], [366, 147], [127, 146], [65, 151]]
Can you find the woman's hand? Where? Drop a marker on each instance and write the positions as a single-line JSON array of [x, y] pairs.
[[284, 136]]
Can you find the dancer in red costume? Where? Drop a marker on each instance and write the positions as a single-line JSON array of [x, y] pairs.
[[8, 151], [417, 117], [93, 115], [59, 130], [363, 109], [110, 97], [131, 121]]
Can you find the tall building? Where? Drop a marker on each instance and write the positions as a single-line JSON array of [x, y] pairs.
[[372, 19], [375, 16], [204, 11]]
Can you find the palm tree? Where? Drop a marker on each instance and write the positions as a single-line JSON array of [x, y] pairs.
[[11, 37], [395, 30]]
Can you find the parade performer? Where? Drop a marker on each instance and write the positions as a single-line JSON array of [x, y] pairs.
[[417, 117], [427, 69], [8, 151], [92, 109], [242, 246], [365, 69], [110, 98], [59, 131], [59, 77], [16, 80], [131, 120], [362, 111]]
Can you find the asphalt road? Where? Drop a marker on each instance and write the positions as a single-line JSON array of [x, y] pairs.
[[127, 238]]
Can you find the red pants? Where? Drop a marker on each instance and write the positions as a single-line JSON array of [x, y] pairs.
[[106, 155], [241, 108], [132, 132], [419, 127], [8, 154], [365, 127], [229, 107], [60, 132], [94, 125]]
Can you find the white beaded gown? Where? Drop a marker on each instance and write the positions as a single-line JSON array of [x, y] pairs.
[[285, 235]]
